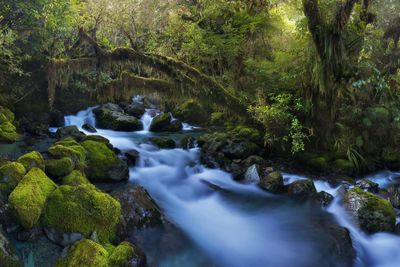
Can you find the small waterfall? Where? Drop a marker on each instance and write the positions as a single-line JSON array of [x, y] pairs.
[[146, 120]]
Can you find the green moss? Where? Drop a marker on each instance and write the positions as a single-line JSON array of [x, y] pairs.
[[82, 209], [10, 175], [70, 149], [122, 254], [75, 178], [8, 132], [191, 111], [379, 115], [59, 167], [344, 166], [100, 159], [85, 253], [160, 122], [29, 197], [318, 164], [247, 133], [31, 160], [217, 118], [6, 115]]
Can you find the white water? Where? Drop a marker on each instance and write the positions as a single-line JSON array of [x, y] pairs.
[[234, 224]]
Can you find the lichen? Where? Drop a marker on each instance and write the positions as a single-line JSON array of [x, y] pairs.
[[27, 200], [31, 160], [82, 209], [59, 167]]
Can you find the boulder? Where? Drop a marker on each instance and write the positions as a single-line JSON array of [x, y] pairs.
[[301, 188], [89, 128], [59, 167], [10, 175], [8, 254], [102, 163], [132, 156], [8, 132], [135, 109], [373, 214], [75, 178], [193, 112], [161, 122], [111, 116], [273, 182], [393, 195], [70, 131], [252, 174], [240, 149], [163, 142], [368, 185], [126, 255], [32, 160], [28, 199], [82, 209], [68, 148], [6, 115]]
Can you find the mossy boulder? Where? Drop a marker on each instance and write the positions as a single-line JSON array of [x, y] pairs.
[[8, 254], [68, 148], [163, 142], [59, 167], [8, 132], [85, 253], [161, 122], [102, 163], [82, 209], [6, 115], [28, 199], [372, 213], [10, 175], [70, 131], [192, 112], [75, 178], [32, 160], [126, 255], [111, 116], [301, 188], [273, 182]]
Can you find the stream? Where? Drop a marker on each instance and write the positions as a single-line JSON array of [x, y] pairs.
[[233, 224]]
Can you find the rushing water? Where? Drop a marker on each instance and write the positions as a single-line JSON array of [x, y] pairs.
[[224, 223]]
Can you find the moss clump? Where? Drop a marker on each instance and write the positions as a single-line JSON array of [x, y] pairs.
[[82, 209], [29, 197], [70, 149], [122, 255], [100, 160], [318, 164], [374, 214], [75, 178], [32, 160], [59, 167], [8, 132], [192, 112], [6, 115], [247, 133], [85, 253], [10, 175]]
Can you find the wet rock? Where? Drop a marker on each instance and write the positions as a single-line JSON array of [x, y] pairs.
[[8, 254], [372, 213], [301, 188], [191, 111], [272, 182], [393, 195], [239, 150], [33, 234], [324, 198], [63, 239], [368, 185], [135, 109], [132, 156], [162, 142], [138, 208], [89, 128], [111, 116], [162, 123], [252, 174], [188, 142], [339, 246], [71, 131]]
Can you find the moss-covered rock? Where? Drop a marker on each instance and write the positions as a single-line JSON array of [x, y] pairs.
[[70, 131], [111, 116], [192, 112], [32, 160], [6, 115], [8, 132], [75, 178], [273, 182], [82, 209], [373, 214], [301, 188], [126, 255], [29, 197], [247, 133], [59, 167], [161, 122], [68, 148], [10, 175], [8, 255], [103, 164], [85, 253], [163, 142]]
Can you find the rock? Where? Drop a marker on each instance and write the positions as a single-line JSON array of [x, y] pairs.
[[8, 254], [69, 148], [247, 133], [254, 159], [89, 128], [191, 111], [372, 213], [239, 150], [59, 167], [132, 156], [82, 209], [273, 182], [111, 116], [393, 193], [135, 109], [339, 247], [175, 126], [102, 163], [368, 185], [29, 197], [188, 142], [6, 115], [301, 188], [163, 142], [32, 160], [8, 132], [56, 118], [75, 178], [127, 255], [138, 208], [29, 235], [85, 253], [252, 174], [161, 123], [324, 198], [70, 131], [10, 175]]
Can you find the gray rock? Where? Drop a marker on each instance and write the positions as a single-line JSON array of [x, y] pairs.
[[63, 239], [111, 116], [273, 182], [89, 128], [8, 254]]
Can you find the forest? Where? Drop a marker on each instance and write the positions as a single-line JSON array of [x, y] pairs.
[[189, 133]]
